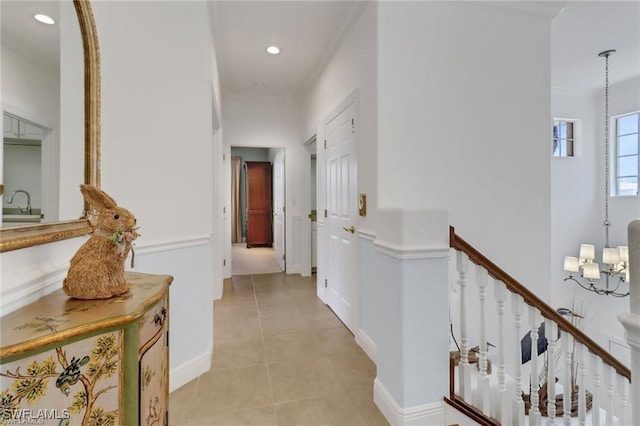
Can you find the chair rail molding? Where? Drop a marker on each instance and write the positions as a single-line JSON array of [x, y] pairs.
[[412, 234]]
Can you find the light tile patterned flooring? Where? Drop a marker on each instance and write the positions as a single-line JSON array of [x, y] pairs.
[[281, 357]]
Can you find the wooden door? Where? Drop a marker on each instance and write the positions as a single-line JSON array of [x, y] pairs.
[[259, 208]]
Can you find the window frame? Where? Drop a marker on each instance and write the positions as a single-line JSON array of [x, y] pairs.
[[577, 134], [614, 154]]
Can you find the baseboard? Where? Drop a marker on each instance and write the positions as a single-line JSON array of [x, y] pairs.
[[367, 344], [192, 369], [421, 415]]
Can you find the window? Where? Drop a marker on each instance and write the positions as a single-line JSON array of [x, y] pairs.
[[563, 138], [627, 160]]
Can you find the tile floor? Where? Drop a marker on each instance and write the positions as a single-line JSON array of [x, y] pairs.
[[281, 357]]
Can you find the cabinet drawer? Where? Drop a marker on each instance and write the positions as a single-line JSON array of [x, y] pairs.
[[153, 322]]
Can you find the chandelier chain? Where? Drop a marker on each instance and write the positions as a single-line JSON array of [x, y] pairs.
[[606, 143]]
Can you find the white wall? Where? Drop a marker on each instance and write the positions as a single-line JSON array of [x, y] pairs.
[[269, 123], [463, 121], [157, 150], [157, 157], [29, 91]]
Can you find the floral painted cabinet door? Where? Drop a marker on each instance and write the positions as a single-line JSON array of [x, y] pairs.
[[154, 366], [76, 384]]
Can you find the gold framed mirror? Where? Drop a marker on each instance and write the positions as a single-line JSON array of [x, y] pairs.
[[28, 236]]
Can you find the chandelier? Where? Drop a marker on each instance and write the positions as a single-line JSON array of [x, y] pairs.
[[615, 259]]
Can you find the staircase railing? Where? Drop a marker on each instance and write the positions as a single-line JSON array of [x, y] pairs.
[[565, 369]]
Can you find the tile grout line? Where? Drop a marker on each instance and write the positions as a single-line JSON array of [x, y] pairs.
[[264, 350]]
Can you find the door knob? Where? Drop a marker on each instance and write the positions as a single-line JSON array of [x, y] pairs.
[[352, 229]]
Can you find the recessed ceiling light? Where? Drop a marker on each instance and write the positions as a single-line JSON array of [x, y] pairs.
[[259, 85], [274, 50], [44, 19]]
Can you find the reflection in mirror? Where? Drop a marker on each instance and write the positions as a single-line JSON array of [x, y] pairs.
[[23, 170], [56, 116], [35, 109]]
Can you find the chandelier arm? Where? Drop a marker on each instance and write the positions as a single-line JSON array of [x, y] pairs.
[[615, 293], [620, 294], [594, 289], [591, 287]]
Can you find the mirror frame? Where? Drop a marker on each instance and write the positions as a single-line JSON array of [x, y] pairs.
[[29, 236]]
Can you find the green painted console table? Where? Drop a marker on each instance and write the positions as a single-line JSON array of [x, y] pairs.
[[80, 362]]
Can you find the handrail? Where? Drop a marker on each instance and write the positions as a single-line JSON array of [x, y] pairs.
[[456, 242]]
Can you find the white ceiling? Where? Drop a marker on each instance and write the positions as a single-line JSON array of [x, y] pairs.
[[37, 42], [585, 28], [308, 32]]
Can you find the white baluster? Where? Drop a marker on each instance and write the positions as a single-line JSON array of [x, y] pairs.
[[534, 396], [581, 356], [503, 409], [595, 408], [567, 347], [609, 378], [551, 332], [484, 392], [465, 372], [517, 305], [623, 385]]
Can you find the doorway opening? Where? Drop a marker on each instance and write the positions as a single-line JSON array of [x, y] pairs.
[[257, 210], [313, 191]]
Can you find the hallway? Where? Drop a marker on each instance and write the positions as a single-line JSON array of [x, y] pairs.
[[281, 357]]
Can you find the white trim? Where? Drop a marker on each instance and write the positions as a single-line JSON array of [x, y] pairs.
[[544, 9], [183, 374], [366, 234], [175, 244], [631, 324], [416, 252], [282, 100], [352, 98], [427, 414], [32, 289], [367, 344]]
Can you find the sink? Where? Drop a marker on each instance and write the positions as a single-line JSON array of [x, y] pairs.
[[21, 218]]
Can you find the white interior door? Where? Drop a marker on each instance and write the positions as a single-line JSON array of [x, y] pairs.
[[341, 203], [278, 209]]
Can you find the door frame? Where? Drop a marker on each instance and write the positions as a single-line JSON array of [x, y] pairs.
[[283, 191], [227, 250], [311, 146]]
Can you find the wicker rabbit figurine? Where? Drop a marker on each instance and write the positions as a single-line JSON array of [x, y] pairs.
[[97, 268]]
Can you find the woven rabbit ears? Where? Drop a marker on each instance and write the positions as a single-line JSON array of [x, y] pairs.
[[96, 271]]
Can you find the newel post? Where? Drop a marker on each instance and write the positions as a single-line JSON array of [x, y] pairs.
[[631, 319]]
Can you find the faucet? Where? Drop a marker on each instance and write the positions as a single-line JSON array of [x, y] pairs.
[[25, 210]]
